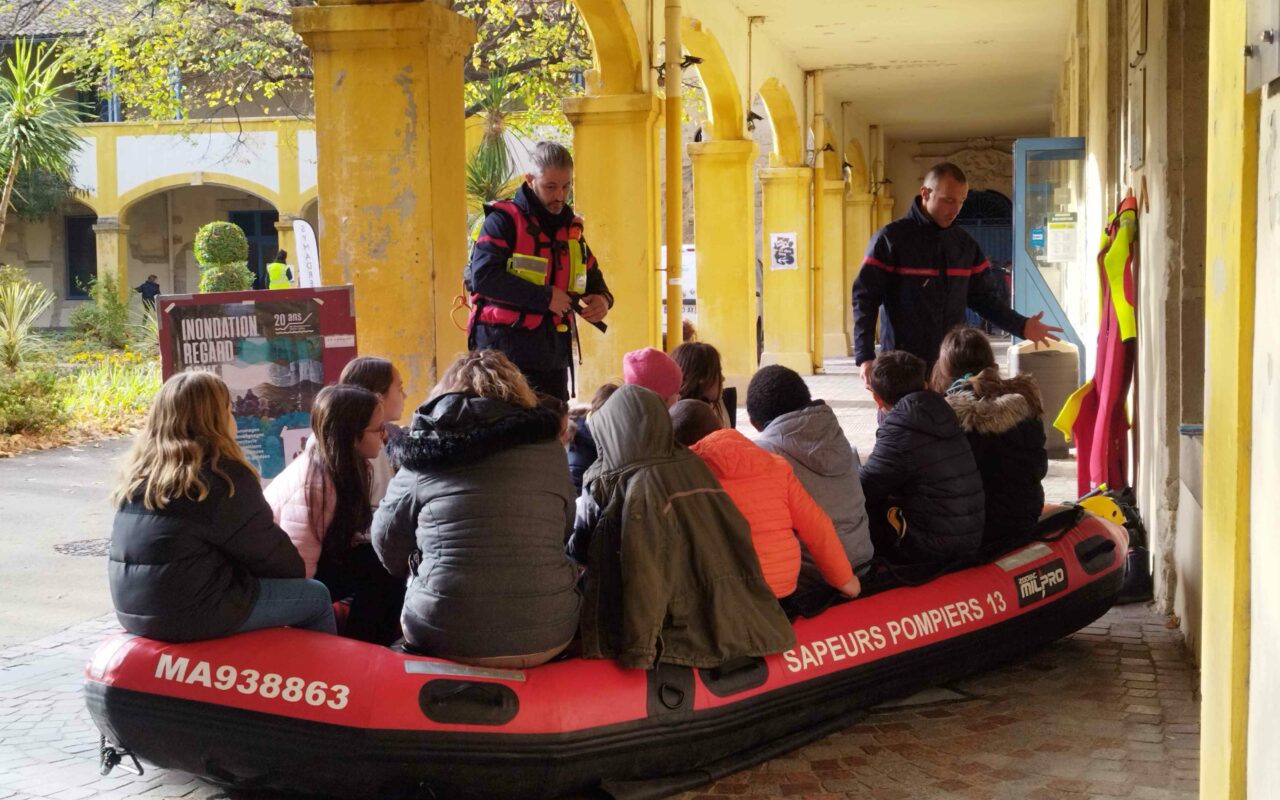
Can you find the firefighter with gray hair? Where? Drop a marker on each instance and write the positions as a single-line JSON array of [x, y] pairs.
[[532, 274]]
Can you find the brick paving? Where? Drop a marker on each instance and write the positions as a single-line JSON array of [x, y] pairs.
[[1112, 711]]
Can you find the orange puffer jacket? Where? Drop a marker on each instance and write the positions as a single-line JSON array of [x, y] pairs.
[[778, 509]]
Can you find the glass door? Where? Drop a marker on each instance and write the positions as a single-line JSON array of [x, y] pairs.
[[1050, 250]]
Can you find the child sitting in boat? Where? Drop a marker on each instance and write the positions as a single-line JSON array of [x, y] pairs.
[[582, 445], [1001, 418], [476, 520], [923, 490], [781, 514], [654, 370], [807, 434], [194, 551], [321, 500], [692, 592], [702, 378], [379, 376]]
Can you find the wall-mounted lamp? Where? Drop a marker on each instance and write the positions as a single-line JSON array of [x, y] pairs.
[[877, 185], [752, 119]]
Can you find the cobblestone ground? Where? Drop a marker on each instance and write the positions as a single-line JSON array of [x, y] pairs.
[[1112, 711]]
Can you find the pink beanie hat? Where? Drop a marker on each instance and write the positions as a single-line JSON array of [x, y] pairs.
[[652, 369]]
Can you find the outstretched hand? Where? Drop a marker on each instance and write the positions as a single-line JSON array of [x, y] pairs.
[[1039, 332], [865, 369]]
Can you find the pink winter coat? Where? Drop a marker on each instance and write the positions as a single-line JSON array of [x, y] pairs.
[[770, 496], [291, 500]]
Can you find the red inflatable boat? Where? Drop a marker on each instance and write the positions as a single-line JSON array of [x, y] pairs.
[[302, 711]]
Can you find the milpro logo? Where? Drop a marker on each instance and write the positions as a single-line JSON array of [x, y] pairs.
[[1041, 582]]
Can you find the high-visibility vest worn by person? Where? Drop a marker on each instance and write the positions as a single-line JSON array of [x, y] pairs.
[[278, 276], [538, 259]]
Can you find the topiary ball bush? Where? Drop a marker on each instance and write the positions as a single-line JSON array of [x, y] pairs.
[[220, 243], [226, 278]]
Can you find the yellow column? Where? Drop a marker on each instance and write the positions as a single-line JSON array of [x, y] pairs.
[[284, 241], [835, 301], [614, 188], [788, 321], [1230, 244], [389, 141], [883, 210], [112, 241], [723, 207], [857, 234]]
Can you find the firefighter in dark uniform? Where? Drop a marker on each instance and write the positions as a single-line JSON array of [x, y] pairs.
[[531, 274]]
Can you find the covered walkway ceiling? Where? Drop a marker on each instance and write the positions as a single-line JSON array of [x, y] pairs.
[[930, 69]]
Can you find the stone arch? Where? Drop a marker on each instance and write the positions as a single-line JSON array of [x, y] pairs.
[[788, 142], [718, 82], [859, 178], [614, 46], [183, 181]]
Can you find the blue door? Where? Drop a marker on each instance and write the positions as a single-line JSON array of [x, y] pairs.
[[260, 229], [1049, 242]]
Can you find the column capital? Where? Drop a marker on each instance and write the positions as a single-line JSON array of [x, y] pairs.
[[285, 223], [109, 225], [611, 109], [724, 149], [336, 25], [859, 198], [786, 175], [832, 187]]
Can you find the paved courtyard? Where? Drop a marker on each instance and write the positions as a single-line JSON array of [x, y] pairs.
[[1112, 711]]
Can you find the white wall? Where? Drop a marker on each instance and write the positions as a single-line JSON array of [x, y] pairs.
[[1264, 511]]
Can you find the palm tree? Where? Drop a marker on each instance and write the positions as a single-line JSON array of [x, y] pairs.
[[37, 119], [491, 169]]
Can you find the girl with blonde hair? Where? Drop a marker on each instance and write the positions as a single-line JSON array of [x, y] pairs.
[[194, 551], [476, 520]]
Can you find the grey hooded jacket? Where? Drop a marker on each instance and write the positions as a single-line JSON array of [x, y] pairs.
[[484, 500], [812, 442]]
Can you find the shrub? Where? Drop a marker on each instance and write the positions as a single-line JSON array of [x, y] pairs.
[[30, 401], [222, 252], [113, 393], [106, 318], [21, 304], [226, 278], [220, 243]]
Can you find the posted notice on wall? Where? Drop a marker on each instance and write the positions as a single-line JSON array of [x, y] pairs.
[[274, 349], [782, 251], [1061, 241]]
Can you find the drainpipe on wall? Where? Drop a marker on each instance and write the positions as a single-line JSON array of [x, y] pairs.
[[675, 174], [818, 126]]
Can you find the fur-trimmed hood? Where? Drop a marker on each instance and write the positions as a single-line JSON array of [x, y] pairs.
[[461, 428], [1006, 404]]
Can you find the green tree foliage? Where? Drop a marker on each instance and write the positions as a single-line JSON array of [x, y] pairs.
[[106, 319], [491, 169], [37, 120], [244, 54]]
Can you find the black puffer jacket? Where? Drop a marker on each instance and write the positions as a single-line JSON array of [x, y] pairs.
[[483, 494], [189, 571], [1007, 439], [925, 277], [582, 451], [922, 464]]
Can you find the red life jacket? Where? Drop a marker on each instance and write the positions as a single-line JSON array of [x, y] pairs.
[[533, 258]]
